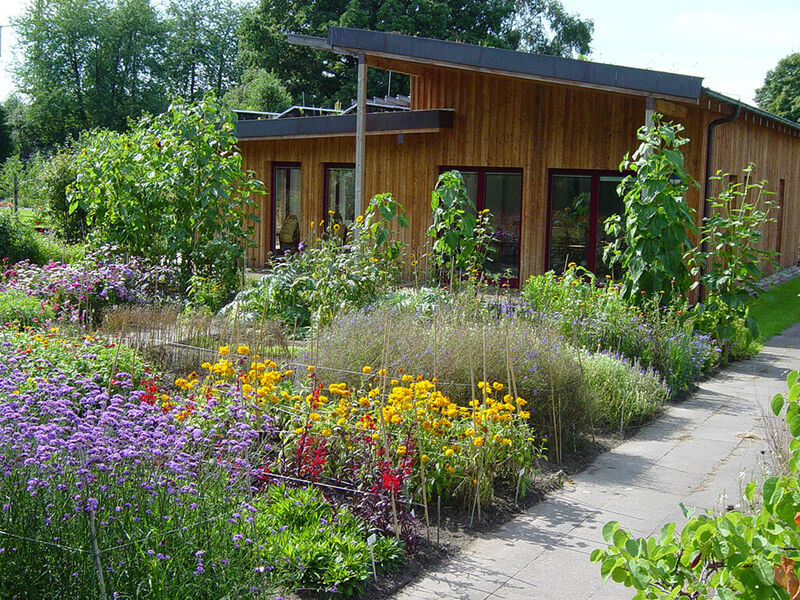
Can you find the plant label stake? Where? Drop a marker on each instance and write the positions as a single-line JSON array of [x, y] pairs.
[[519, 484], [370, 543]]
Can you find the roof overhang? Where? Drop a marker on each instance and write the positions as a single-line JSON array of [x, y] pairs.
[[567, 71], [384, 123]]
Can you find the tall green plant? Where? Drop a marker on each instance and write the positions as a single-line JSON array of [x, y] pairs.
[[735, 555], [461, 235], [173, 188], [728, 260], [652, 236]]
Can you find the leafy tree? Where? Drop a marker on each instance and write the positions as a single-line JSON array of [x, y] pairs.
[[651, 238], [260, 90], [171, 189], [202, 46], [325, 78], [87, 63], [780, 93], [6, 143]]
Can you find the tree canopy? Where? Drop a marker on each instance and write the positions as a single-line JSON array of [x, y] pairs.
[[99, 63], [542, 26], [780, 93]]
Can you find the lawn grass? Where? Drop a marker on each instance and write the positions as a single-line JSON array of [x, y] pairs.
[[777, 308]]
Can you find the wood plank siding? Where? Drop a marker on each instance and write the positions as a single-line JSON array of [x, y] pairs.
[[510, 122]]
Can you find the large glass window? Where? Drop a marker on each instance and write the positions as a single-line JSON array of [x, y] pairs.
[[286, 207], [500, 191], [580, 202], [340, 194]]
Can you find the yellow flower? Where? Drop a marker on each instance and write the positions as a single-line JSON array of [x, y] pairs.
[[498, 386], [366, 369], [424, 458], [449, 452], [314, 416], [242, 350], [326, 431], [205, 365], [336, 227], [331, 213], [478, 441], [524, 414], [401, 450], [299, 430], [360, 219], [311, 224], [224, 350]]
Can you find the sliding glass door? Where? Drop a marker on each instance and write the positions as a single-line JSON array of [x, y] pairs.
[[500, 191], [580, 202]]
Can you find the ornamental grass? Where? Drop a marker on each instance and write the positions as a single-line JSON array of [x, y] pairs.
[[461, 346]]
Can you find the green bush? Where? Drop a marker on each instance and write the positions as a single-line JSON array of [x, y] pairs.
[[599, 318], [54, 178], [171, 190], [337, 271], [18, 240], [619, 393], [23, 310]]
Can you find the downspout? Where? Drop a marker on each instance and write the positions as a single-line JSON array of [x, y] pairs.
[[707, 181]]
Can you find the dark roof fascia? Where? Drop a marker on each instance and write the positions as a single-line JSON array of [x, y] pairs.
[[405, 121], [536, 66], [754, 109]]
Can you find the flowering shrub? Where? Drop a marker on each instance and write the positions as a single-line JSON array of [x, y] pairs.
[[50, 352], [619, 392], [544, 367], [335, 271], [598, 318], [79, 292]]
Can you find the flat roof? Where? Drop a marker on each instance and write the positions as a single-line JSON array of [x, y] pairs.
[[510, 62], [407, 121]]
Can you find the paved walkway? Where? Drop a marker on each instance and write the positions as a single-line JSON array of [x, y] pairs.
[[696, 453]]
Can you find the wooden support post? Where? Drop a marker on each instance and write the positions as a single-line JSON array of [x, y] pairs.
[[361, 129], [649, 111]]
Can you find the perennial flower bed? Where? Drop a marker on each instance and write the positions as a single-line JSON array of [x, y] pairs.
[[100, 476], [78, 292]]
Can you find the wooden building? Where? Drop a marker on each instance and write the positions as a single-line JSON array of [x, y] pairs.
[[538, 138]]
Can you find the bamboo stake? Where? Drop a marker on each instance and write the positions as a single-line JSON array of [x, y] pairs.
[[438, 516], [435, 345], [556, 436], [116, 362], [96, 554], [384, 432]]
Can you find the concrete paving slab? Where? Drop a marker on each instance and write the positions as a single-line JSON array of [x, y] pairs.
[[697, 453]]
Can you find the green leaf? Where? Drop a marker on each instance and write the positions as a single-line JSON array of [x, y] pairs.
[[791, 379], [609, 529], [639, 573], [667, 532], [777, 404]]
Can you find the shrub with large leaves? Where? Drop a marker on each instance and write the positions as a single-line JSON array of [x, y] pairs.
[[748, 555], [652, 236], [172, 187]]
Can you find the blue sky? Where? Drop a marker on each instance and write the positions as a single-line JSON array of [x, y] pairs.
[[731, 44]]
